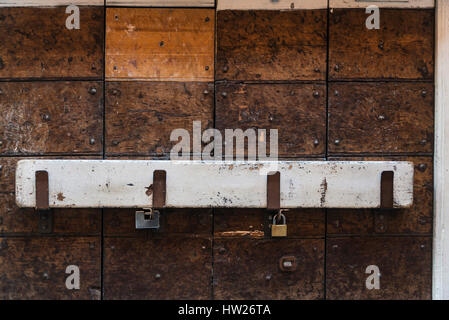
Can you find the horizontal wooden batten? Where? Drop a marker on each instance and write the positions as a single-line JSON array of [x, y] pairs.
[[270, 5], [49, 3], [201, 184], [382, 4], [162, 3]]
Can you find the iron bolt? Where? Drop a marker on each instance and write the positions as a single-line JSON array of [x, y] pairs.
[[381, 45], [115, 143], [268, 277], [161, 44], [336, 93], [316, 94], [225, 69], [46, 276], [316, 142], [424, 93], [422, 167], [92, 141], [207, 19], [157, 276], [423, 141], [92, 90], [1, 143], [205, 92], [207, 68], [316, 70], [46, 117], [337, 68], [224, 94], [337, 142], [381, 117]]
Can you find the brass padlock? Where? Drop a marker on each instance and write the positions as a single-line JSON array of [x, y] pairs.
[[279, 230]]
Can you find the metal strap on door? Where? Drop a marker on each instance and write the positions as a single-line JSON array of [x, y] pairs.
[[152, 185]]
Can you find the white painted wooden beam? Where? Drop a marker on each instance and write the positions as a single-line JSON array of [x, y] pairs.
[[161, 3], [441, 174], [199, 184], [382, 4], [270, 4], [49, 3]]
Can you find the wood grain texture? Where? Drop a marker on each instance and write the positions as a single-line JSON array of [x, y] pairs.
[[160, 44], [298, 111], [401, 49], [49, 3], [187, 222], [34, 268], [382, 4], [381, 118], [37, 44], [252, 223], [270, 5], [51, 117], [266, 45], [161, 3], [157, 269], [405, 265], [14, 220], [249, 269], [140, 116], [414, 220]]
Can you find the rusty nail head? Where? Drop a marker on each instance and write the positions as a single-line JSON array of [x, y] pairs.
[[422, 167], [207, 68], [161, 43], [207, 19]]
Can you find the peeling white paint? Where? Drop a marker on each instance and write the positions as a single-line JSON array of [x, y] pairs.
[[199, 184]]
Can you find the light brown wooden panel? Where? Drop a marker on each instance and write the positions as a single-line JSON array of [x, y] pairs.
[[405, 265], [250, 269], [381, 117], [34, 268], [51, 117], [37, 44], [401, 49], [140, 116], [160, 44], [271, 45]]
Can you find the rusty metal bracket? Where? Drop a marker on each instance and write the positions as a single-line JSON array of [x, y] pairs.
[[45, 224], [150, 218], [386, 190], [274, 191]]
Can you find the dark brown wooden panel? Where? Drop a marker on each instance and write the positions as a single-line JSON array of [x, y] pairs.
[[65, 221], [298, 111], [417, 219], [37, 44], [401, 49], [389, 118], [51, 117], [405, 265], [140, 116], [271, 45], [250, 269], [160, 44], [168, 268], [252, 223], [34, 268], [122, 222]]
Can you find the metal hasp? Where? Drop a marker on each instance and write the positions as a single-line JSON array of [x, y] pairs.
[[386, 190], [150, 219], [216, 184], [42, 202]]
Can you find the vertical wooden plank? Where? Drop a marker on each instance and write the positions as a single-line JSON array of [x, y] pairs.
[[441, 236]]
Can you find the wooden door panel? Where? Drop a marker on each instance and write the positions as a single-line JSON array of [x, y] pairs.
[[401, 49], [390, 118], [35, 268], [415, 220], [271, 45], [37, 44], [140, 116], [160, 44], [298, 111], [249, 269], [405, 265], [168, 268], [254, 223], [51, 117]]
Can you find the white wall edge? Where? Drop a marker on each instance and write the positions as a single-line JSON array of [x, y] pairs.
[[269, 5], [382, 4], [440, 283]]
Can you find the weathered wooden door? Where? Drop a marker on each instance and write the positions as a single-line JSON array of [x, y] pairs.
[[117, 87]]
